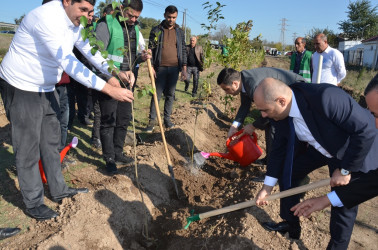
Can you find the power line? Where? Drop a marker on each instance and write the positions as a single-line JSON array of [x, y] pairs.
[[283, 29]]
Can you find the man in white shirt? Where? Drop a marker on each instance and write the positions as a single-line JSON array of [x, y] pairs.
[[40, 51], [314, 129], [333, 66]]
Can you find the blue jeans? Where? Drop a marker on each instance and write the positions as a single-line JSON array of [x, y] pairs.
[[166, 80], [63, 116]]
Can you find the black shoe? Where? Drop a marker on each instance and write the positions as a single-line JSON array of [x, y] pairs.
[[70, 193], [262, 161], [169, 124], [123, 159], [194, 94], [150, 127], [294, 229], [111, 166], [96, 143], [86, 121], [8, 232], [41, 212]]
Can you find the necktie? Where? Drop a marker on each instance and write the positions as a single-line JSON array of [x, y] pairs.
[[287, 171]]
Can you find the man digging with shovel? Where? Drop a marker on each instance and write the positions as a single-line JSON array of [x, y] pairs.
[[316, 125]]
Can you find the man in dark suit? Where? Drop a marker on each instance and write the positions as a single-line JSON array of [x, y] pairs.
[[244, 83], [316, 125], [359, 190]]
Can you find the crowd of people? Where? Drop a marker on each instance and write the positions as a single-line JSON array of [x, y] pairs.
[[48, 67]]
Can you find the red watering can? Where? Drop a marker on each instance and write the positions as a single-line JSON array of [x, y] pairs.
[[243, 150]]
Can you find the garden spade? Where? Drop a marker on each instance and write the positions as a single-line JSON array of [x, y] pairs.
[[250, 203], [170, 167]]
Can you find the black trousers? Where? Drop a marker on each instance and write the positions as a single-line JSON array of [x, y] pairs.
[[342, 218], [195, 72], [115, 118], [97, 115], [166, 81], [35, 135], [77, 93]]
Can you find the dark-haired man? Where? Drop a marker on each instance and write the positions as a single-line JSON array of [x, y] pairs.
[[40, 51], [244, 83], [167, 42], [314, 129], [115, 115]]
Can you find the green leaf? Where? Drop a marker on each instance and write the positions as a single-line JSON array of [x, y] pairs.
[[92, 41], [104, 54], [122, 19], [84, 34], [93, 51], [100, 44], [83, 21], [115, 4]]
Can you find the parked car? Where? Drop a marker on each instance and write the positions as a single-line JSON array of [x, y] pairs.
[[7, 32], [288, 53]]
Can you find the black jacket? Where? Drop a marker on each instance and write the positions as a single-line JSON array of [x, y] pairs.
[[156, 45]]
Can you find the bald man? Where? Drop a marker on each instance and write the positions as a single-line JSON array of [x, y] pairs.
[[359, 190], [314, 129]]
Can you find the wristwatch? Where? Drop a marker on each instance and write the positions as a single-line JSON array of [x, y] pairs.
[[344, 172]]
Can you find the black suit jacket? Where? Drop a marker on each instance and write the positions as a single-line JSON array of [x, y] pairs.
[[362, 187], [251, 79], [341, 126]]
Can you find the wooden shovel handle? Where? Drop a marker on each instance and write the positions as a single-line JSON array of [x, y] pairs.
[[152, 77], [279, 195]]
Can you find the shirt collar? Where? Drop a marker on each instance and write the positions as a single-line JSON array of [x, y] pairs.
[[294, 110], [67, 19], [327, 50]]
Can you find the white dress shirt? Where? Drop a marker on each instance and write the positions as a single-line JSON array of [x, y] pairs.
[[333, 69], [42, 49], [303, 134]]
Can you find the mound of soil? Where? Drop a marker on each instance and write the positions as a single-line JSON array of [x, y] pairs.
[[141, 210]]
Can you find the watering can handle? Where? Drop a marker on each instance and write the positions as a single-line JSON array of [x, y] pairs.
[[254, 136]]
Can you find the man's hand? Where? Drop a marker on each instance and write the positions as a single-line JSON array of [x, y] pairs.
[[114, 82], [248, 129], [265, 191], [233, 129], [146, 54], [338, 179], [183, 73], [305, 208], [119, 94], [127, 77]]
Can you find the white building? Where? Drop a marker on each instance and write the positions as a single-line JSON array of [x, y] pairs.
[[363, 53]]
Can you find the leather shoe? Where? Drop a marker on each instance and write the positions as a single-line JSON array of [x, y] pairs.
[[283, 227], [70, 193], [8, 232], [41, 212]]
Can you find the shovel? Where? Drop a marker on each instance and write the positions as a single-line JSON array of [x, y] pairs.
[[170, 168], [251, 203], [243, 150]]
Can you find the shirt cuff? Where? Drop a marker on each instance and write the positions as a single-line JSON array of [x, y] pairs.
[[270, 181], [236, 124], [334, 199]]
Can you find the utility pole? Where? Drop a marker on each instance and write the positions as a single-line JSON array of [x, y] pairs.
[[184, 24], [294, 38], [283, 29]]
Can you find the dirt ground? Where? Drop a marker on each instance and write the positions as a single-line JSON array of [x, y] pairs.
[[115, 214]]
